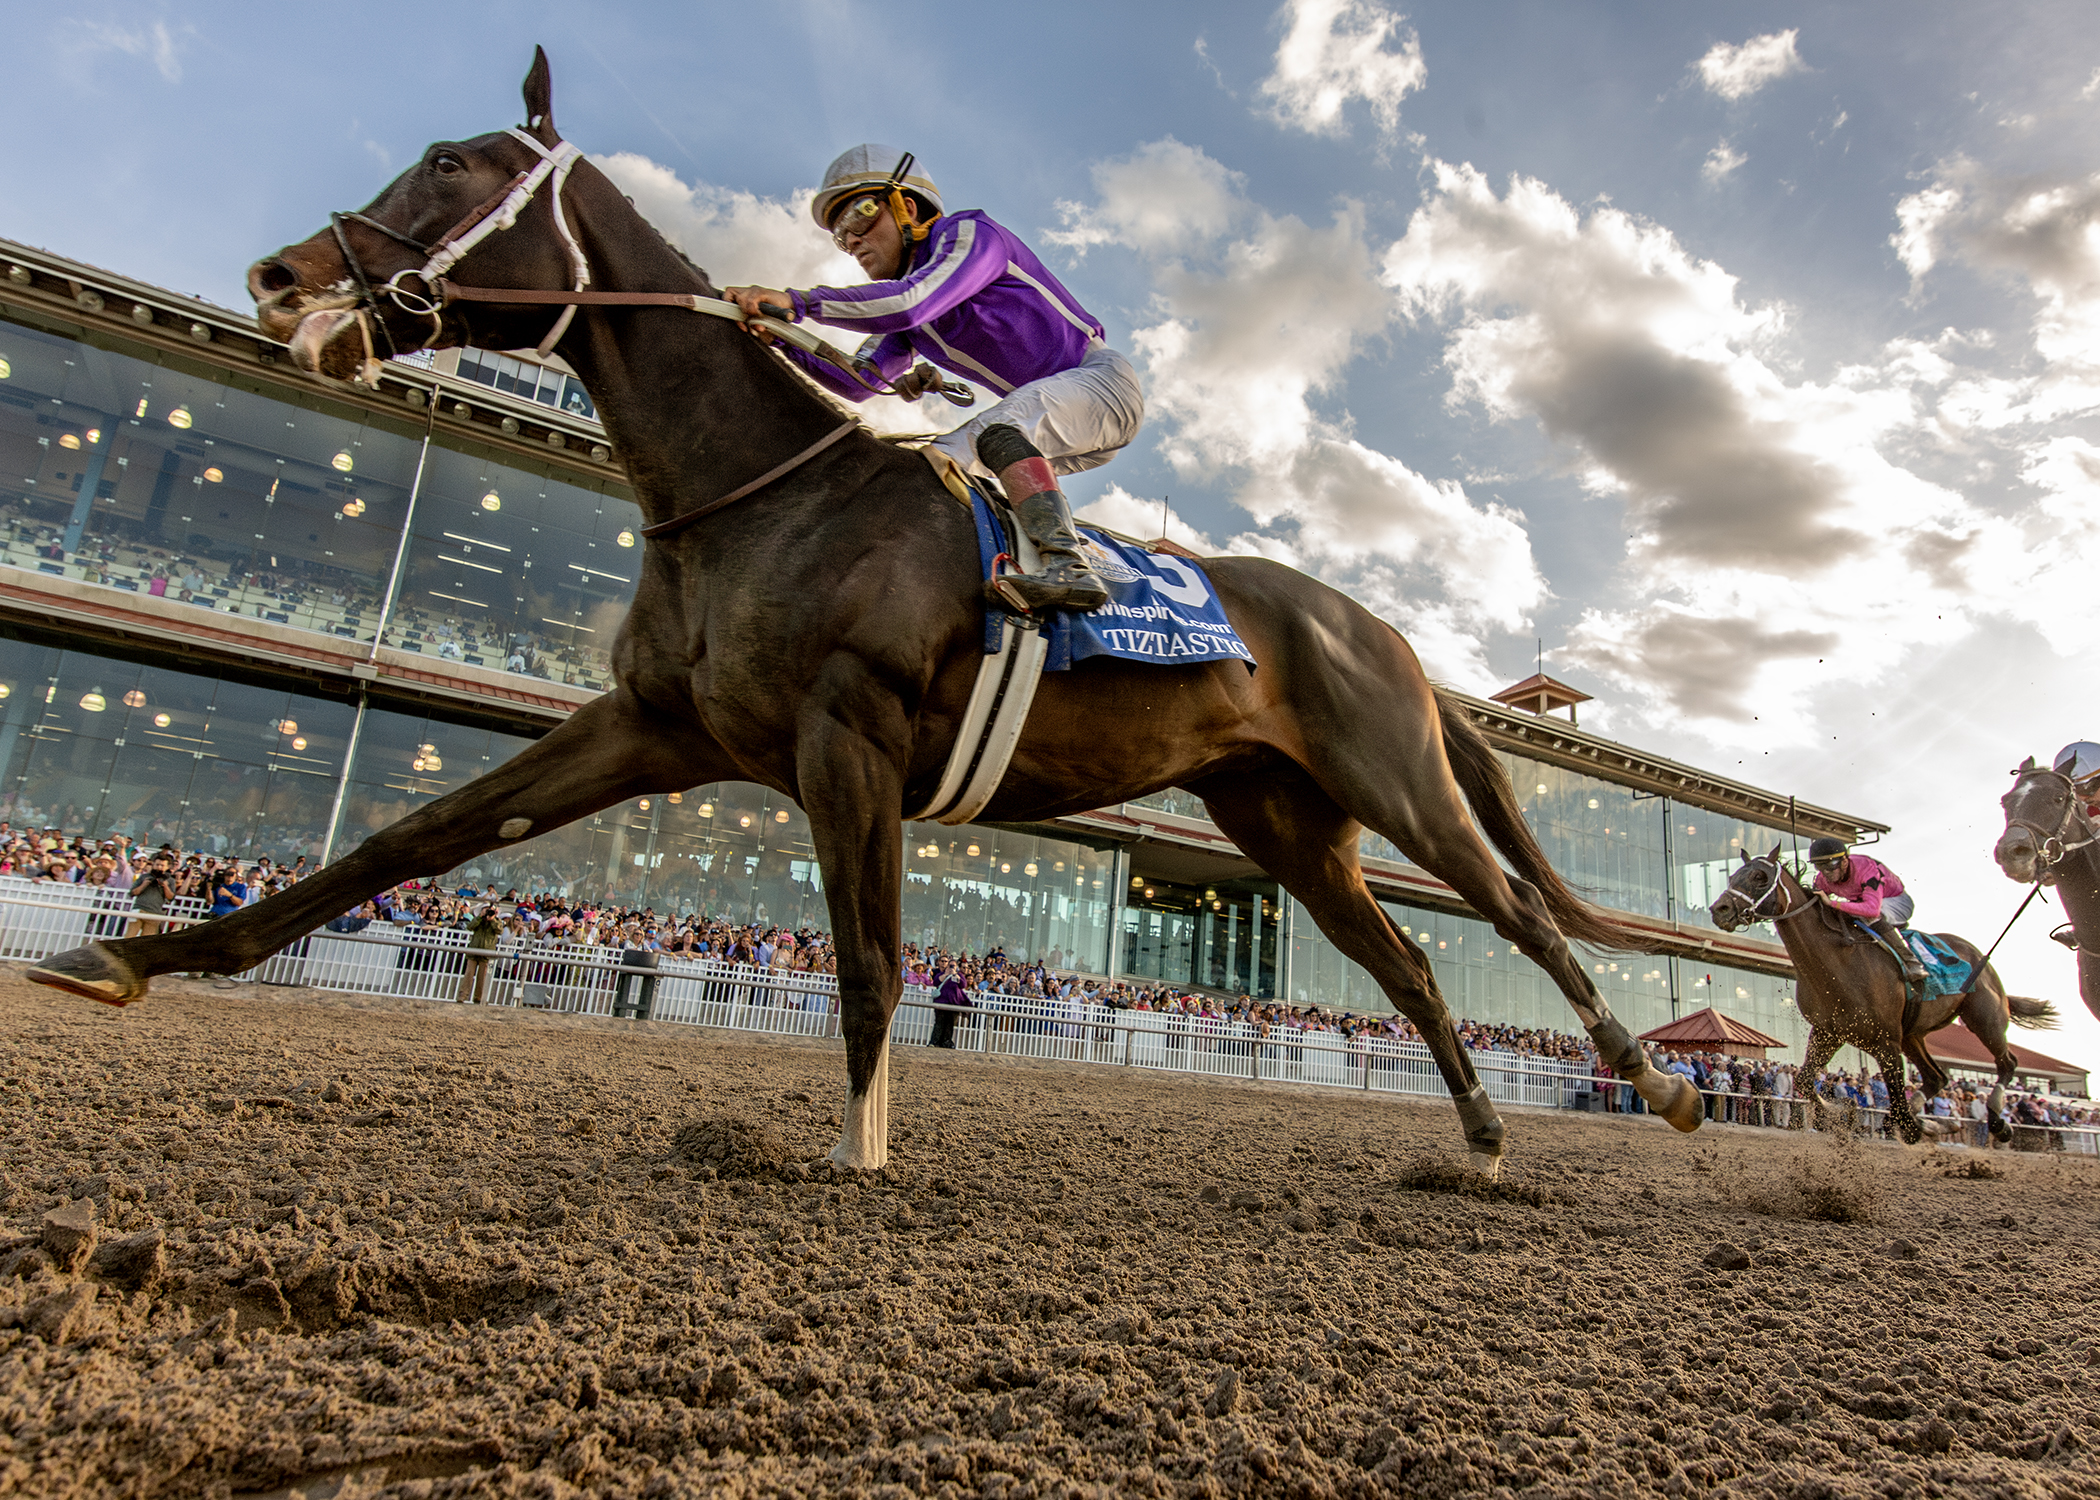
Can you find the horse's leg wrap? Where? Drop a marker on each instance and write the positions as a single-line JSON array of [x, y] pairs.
[[1669, 1094], [1484, 1132]]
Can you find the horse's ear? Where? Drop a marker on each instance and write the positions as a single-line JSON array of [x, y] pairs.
[[1774, 855], [2025, 766], [1742, 856], [539, 95]]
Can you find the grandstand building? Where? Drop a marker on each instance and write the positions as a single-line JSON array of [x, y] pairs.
[[244, 609]]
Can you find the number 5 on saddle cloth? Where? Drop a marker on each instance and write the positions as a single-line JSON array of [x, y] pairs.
[[1161, 609]]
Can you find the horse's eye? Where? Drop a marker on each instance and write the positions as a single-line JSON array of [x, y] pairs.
[[445, 166]]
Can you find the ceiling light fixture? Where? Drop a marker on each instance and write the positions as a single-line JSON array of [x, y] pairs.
[[93, 701], [342, 463], [180, 418], [492, 501], [134, 699]]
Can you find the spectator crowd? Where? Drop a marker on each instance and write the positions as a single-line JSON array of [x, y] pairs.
[[1736, 1090]]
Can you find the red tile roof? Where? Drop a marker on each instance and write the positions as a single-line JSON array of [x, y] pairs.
[[1957, 1044], [1709, 1028]]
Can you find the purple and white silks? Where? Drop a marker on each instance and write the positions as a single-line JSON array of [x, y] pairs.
[[975, 301]]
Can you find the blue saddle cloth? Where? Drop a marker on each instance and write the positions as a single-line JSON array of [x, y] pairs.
[[1160, 609], [1945, 971]]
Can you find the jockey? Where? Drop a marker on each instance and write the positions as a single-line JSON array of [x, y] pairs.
[[964, 292], [1869, 890], [2080, 762]]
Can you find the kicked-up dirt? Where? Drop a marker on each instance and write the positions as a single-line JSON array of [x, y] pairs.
[[257, 1242]]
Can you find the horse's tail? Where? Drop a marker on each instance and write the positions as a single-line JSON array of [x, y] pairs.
[[1494, 802], [2035, 1015]]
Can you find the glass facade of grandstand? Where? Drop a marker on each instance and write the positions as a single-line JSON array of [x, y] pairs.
[[236, 495]]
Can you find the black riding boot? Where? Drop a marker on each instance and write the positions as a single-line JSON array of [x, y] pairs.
[[1067, 581], [1913, 971]]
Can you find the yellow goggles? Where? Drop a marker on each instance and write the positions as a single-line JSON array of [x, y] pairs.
[[857, 217]]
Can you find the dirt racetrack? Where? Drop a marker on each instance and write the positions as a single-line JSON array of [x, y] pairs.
[[353, 1248]]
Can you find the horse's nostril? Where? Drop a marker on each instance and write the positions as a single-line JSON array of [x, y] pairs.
[[275, 276]]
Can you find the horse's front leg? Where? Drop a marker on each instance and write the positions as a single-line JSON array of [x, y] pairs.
[[852, 788], [1809, 1079], [605, 752]]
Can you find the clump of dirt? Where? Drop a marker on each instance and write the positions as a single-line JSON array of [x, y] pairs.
[[1432, 1174], [733, 1146], [1979, 1168], [1834, 1179]]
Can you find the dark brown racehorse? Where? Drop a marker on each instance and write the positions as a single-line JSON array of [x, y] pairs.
[[1851, 989], [821, 638], [2048, 839]]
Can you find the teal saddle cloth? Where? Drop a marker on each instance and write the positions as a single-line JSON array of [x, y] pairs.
[[1945, 971]]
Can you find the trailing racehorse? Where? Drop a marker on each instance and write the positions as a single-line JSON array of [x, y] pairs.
[[823, 636], [1851, 990], [2047, 840]]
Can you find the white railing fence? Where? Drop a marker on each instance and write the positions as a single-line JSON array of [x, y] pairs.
[[39, 919]]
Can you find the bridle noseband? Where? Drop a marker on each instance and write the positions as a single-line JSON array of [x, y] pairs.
[[1753, 910], [2049, 846]]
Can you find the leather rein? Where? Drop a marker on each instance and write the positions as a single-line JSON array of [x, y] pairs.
[[434, 292]]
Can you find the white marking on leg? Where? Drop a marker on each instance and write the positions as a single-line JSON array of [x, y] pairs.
[[864, 1140], [1487, 1166]]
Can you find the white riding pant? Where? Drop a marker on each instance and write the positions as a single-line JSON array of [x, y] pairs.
[[1079, 418], [1898, 909]]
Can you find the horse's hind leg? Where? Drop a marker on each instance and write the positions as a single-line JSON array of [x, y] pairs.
[[1293, 830], [1987, 1015], [1381, 756], [1890, 1061], [606, 751]]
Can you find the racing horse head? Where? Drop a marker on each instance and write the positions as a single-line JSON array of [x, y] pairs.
[[1753, 893], [2043, 821], [364, 288]]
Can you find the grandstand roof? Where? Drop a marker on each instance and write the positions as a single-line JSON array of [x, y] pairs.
[[1958, 1047], [1710, 1031]]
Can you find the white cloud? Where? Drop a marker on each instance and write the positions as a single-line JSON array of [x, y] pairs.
[[2042, 231], [156, 42], [1254, 319], [1737, 72], [740, 239], [1334, 51], [1164, 199], [2092, 87], [1765, 526], [1721, 161], [1137, 516]]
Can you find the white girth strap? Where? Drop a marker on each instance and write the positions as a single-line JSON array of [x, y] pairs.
[[995, 715]]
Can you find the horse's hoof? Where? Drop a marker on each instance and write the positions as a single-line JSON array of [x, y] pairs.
[[1487, 1166], [1681, 1106], [95, 972]]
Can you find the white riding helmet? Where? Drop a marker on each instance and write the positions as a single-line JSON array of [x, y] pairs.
[[863, 167], [2079, 760]]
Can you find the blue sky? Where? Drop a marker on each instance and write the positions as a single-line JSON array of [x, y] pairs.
[[1749, 355]]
